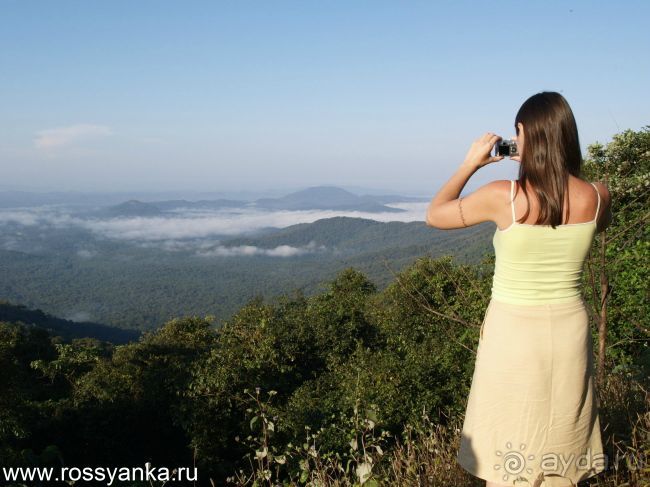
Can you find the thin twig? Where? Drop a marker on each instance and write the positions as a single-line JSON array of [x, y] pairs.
[[633, 225], [644, 330]]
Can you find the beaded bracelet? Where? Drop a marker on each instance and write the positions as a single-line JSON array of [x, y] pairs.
[[461, 212]]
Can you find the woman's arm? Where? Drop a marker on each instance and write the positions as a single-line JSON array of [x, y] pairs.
[[446, 211]]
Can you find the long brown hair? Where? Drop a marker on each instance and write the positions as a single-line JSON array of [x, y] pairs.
[[551, 152]]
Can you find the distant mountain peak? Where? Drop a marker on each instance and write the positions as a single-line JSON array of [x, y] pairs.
[[332, 191], [134, 208], [325, 198]]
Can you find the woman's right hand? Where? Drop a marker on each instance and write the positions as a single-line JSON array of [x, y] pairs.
[[479, 153]]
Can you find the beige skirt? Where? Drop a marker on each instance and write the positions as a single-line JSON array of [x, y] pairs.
[[532, 414]]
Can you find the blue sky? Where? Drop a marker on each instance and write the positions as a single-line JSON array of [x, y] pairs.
[[225, 96]]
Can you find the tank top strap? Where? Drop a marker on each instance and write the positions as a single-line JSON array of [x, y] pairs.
[[512, 199], [598, 206]]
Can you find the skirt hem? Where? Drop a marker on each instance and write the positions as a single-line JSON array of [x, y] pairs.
[[541, 480]]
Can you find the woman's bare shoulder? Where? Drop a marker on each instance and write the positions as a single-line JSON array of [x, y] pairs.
[[500, 187], [498, 195], [604, 216], [603, 190], [602, 187]]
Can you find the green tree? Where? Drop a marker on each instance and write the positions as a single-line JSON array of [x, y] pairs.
[[618, 273]]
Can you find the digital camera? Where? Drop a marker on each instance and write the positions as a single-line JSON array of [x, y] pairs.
[[506, 147]]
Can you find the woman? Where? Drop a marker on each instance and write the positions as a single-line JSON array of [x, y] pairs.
[[532, 414]]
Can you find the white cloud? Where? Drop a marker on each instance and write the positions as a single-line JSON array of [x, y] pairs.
[[202, 224], [86, 254], [195, 224], [78, 316], [65, 136], [22, 217], [10, 243], [244, 250], [198, 231]]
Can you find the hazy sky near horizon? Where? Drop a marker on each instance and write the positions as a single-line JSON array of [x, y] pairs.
[[210, 96]]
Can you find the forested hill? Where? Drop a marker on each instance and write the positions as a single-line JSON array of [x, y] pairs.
[[133, 286], [66, 329]]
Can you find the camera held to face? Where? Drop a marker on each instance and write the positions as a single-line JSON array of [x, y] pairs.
[[506, 147]]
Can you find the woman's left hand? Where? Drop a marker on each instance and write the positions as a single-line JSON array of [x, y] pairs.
[[479, 153]]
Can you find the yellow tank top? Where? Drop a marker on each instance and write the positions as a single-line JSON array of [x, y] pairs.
[[538, 264]]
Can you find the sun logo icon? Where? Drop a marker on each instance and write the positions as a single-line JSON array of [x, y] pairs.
[[514, 462]]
